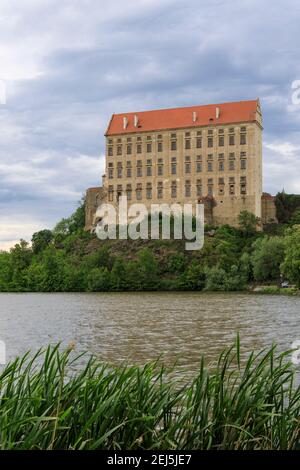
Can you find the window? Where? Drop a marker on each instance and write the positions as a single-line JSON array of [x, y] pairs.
[[129, 192], [198, 167], [149, 147], [209, 166], [187, 143], [110, 173], [173, 145], [221, 186], [188, 188], [187, 164], [110, 151], [243, 185], [149, 191], [221, 141], [139, 170], [199, 142], [210, 187], [119, 191], [221, 166], [159, 146], [231, 186], [139, 148], [210, 142], [119, 150], [174, 189], [173, 166], [110, 193], [160, 190], [243, 138], [119, 170], [243, 164], [129, 149], [160, 169], [231, 165], [128, 170], [199, 188], [138, 191], [231, 139], [149, 168]]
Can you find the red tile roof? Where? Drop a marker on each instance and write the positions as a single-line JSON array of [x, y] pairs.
[[176, 118]]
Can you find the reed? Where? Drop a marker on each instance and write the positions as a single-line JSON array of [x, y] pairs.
[[249, 404]]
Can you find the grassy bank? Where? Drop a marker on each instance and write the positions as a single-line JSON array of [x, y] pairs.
[[234, 405]]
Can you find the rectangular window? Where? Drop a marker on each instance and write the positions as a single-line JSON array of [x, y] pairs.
[[174, 189], [199, 142], [149, 147], [231, 139], [187, 164], [110, 151], [149, 191], [209, 166], [160, 170], [221, 166], [160, 190], [110, 173], [138, 192], [187, 189], [173, 166], [119, 150], [119, 171], [210, 142], [129, 192], [173, 145], [243, 139], [129, 149], [159, 146], [128, 172], [231, 165], [221, 141], [149, 170], [119, 191], [243, 164], [199, 188], [139, 170], [187, 143], [139, 148], [243, 185], [198, 167]]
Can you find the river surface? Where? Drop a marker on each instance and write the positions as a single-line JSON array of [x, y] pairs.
[[138, 327]]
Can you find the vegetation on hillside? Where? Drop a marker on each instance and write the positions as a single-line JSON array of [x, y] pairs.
[[233, 405], [69, 259]]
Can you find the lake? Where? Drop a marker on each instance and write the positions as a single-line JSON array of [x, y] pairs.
[[138, 327]]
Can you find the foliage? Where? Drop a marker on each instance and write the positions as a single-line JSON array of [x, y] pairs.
[[240, 404], [40, 240], [287, 206], [247, 222], [267, 257], [291, 264]]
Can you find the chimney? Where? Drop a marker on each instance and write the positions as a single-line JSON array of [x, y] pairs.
[[217, 112], [125, 122], [194, 116], [136, 120]]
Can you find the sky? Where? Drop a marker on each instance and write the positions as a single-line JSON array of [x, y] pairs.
[[66, 66]]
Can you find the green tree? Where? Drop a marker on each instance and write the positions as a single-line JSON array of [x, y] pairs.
[[194, 277], [148, 268], [247, 222], [267, 257], [40, 240], [98, 280], [291, 264], [118, 276], [20, 258]]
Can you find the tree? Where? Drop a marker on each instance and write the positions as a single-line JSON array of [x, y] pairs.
[[98, 280], [291, 264], [148, 268], [20, 258], [117, 276], [194, 277], [247, 222], [220, 280], [267, 257], [40, 240]]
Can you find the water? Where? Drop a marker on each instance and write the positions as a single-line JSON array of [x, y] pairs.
[[137, 327]]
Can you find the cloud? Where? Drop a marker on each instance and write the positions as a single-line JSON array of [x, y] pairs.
[[68, 66]]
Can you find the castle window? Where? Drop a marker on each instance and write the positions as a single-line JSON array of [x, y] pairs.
[[173, 144], [129, 149], [243, 136], [199, 188], [129, 192], [139, 139], [119, 191], [209, 166], [110, 173], [199, 142], [160, 190], [221, 166], [159, 146], [173, 166], [110, 151], [187, 164], [138, 191], [139, 169], [149, 191], [210, 187], [210, 142], [174, 189], [149, 147], [149, 168], [231, 165], [128, 170], [243, 164], [231, 139], [221, 186], [188, 188], [187, 144], [119, 170], [221, 141], [243, 185], [187, 134], [119, 150], [139, 148], [198, 167]]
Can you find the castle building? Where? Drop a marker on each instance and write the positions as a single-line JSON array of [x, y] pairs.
[[210, 154]]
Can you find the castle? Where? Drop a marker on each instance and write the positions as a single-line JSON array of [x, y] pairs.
[[210, 154]]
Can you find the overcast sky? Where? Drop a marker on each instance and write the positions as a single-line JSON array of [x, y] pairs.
[[66, 66]]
